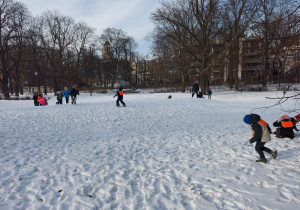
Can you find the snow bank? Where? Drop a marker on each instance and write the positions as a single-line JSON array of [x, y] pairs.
[[156, 153]]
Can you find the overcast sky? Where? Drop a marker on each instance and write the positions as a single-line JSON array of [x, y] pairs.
[[132, 16]]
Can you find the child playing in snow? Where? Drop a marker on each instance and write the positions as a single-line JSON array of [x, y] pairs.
[[66, 94], [295, 120], [42, 101], [74, 93], [261, 135], [209, 92], [35, 98], [120, 97], [285, 127], [59, 98]]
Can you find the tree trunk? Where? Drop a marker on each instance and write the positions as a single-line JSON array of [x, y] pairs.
[[17, 87], [5, 88], [11, 88], [182, 83]]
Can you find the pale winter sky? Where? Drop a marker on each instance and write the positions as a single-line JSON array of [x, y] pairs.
[[132, 16]]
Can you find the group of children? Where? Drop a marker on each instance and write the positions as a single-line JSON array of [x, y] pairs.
[[261, 132], [39, 100], [67, 93]]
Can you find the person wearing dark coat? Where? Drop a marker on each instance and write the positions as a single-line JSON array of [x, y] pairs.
[[35, 97], [200, 95], [195, 89], [59, 98], [74, 93], [261, 135], [120, 97], [285, 127], [209, 92]]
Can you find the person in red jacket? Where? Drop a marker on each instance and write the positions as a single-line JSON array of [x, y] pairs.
[[285, 127]]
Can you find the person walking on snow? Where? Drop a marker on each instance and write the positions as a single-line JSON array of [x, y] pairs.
[[261, 135], [74, 93], [120, 97], [67, 93], [195, 89]]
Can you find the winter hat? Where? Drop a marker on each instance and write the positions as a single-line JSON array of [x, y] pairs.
[[247, 118], [297, 117], [283, 117]]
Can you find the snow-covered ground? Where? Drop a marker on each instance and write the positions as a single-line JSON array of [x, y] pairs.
[[156, 153]]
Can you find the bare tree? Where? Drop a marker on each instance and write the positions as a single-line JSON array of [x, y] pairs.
[[19, 46], [193, 25], [270, 14], [12, 18], [55, 38], [83, 37], [120, 49], [236, 19]]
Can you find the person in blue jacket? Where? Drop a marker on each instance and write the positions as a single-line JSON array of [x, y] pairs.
[[66, 93], [120, 97]]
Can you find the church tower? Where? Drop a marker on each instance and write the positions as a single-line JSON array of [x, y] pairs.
[[106, 52]]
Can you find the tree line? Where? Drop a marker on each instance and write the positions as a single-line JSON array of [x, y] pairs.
[[187, 32], [56, 49]]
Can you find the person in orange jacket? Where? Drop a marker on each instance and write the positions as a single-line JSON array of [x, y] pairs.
[[261, 135], [120, 97], [285, 127]]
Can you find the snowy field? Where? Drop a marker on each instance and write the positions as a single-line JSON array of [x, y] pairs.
[[156, 153]]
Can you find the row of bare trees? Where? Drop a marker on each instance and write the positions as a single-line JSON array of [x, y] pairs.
[[58, 50], [187, 30], [62, 51]]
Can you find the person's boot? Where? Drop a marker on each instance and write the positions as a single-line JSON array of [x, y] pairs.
[[263, 160], [274, 154]]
